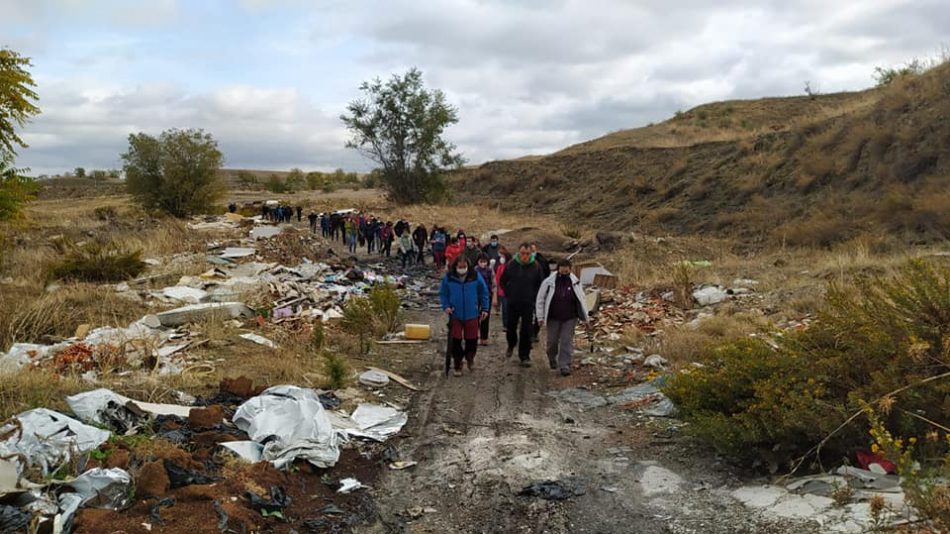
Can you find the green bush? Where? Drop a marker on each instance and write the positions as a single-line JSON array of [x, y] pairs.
[[336, 370], [385, 304], [96, 262], [359, 320], [760, 402]]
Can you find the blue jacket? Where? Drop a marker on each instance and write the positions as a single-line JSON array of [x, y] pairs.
[[469, 297]]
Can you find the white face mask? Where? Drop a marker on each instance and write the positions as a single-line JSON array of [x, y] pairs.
[[501, 260], [483, 265], [462, 271], [494, 243]]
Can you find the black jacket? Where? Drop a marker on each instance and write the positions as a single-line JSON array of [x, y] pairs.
[[544, 263], [521, 281]]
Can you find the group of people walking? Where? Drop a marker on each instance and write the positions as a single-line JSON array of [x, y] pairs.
[[530, 296], [477, 280]]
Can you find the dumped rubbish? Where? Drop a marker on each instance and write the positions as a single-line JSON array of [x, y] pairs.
[[265, 232], [105, 407], [396, 378], [377, 422], [597, 276], [374, 379], [260, 340], [180, 477], [237, 252], [582, 398], [249, 451], [46, 440], [155, 510], [400, 465], [185, 294], [656, 362], [709, 295], [647, 398], [349, 485], [420, 332], [110, 489], [197, 312], [555, 490], [291, 424], [270, 507], [13, 519]]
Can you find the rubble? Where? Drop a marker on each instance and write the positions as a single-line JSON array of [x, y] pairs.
[[197, 312]]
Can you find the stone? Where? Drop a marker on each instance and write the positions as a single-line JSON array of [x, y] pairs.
[[656, 480], [583, 399], [655, 361]]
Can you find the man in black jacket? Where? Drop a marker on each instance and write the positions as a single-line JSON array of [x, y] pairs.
[[521, 280]]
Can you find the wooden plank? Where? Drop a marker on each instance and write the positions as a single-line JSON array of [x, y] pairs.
[[400, 380]]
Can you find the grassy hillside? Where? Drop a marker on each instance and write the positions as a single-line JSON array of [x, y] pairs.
[[800, 170]]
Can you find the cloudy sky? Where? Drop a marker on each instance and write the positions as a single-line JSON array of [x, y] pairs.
[[269, 78]]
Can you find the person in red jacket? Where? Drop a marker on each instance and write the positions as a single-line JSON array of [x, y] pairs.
[[454, 250]]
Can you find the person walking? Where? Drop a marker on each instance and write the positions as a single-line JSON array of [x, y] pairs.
[[312, 217], [464, 298], [406, 249], [351, 228], [299, 213], [560, 304], [454, 249], [521, 280], [483, 268], [420, 235], [492, 248], [387, 236], [501, 301], [372, 235], [438, 242]]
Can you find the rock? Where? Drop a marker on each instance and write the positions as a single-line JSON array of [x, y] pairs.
[[152, 480], [710, 295], [206, 417], [610, 240], [82, 330], [655, 361], [583, 399], [570, 244], [151, 321], [656, 480]]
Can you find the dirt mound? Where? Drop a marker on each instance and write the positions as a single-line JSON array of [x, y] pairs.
[[830, 169]]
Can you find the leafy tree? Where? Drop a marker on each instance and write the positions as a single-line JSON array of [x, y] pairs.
[[296, 180], [247, 179], [15, 189], [176, 173], [315, 180], [275, 184], [399, 124], [80, 172], [99, 175], [17, 98]]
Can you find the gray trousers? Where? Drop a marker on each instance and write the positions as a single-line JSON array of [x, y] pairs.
[[561, 343]]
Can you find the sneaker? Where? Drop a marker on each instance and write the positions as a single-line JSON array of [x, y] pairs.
[[565, 371], [509, 352], [525, 363], [553, 364], [483, 342], [471, 365], [457, 372]]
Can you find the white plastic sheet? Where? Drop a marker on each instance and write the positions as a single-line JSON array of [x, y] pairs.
[[185, 294], [89, 406], [49, 439], [103, 488], [374, 379], [260, 340], [249, 451], [291, 423], [378, 422]]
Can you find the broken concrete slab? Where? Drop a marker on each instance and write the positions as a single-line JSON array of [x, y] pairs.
[[196, 312], [265, 232], [185, 294], [260, 340], [707, 296], [237, 252], [582, 398]]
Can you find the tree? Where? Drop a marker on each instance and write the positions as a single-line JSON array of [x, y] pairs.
[[16, 98], [296, 180], [176, 173], [247, 179], [15, 189], [399, 125], [80, 172]]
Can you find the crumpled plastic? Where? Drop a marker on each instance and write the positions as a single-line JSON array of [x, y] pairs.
[[103, 488], [291, 423], [378, 422], [48, 440], [105, 407], [374, 379]]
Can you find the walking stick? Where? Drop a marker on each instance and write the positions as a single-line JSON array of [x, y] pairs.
[[448, 346]]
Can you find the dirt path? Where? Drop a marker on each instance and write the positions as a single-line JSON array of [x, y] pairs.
[[480, 439]]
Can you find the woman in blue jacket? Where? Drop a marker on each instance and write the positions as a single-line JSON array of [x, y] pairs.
[[464, 298]]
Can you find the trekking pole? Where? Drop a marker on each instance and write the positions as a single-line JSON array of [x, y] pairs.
[[448, 346]]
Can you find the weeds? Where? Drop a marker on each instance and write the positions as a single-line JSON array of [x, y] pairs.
[[683, 284], [96, 262], [335, 369]]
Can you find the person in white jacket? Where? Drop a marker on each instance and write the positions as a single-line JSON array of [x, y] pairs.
[[559, 306]]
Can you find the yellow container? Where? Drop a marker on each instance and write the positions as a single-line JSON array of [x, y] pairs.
[[417, 331]]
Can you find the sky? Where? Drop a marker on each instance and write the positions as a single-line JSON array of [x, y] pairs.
[[270, 78]]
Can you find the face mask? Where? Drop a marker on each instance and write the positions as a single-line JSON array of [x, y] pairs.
[[494, 243], [501, 260], [462, 271], [483, 265]]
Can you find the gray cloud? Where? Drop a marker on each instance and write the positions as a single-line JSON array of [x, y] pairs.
[[528, 76]]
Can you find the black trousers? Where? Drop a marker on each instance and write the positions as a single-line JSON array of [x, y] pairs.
[[522, 312], [483, 328], [468, 353]]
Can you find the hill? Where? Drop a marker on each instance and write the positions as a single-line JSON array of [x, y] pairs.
[[799, 170]]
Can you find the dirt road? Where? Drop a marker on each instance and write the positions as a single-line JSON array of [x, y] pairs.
[[480, 439]]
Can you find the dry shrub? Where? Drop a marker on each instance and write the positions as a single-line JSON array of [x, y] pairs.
[[683, 344], [96, 262], [27, 318], [28, 388], [820, 230]]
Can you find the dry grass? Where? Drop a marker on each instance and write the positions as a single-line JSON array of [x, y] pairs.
[[36, 388]]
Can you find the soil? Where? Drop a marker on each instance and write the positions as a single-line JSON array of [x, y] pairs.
[[482, 438]]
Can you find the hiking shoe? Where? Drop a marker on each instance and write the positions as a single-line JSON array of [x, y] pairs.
[[565, 371], [509, 352], [525, 363], [553, 364], [471, 365], [457, 372]]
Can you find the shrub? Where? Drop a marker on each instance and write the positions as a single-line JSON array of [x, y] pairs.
[[335, 369], [14, 188], [176, 172], [385, 305], [96, 262], [770, 402], [359, 320]]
